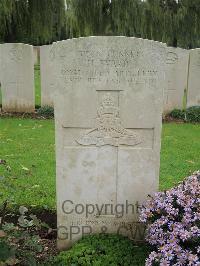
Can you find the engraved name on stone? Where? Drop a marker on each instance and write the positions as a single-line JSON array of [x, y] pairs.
[[119, 61]]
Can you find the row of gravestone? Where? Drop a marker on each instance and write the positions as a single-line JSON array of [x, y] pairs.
[[17, 77], [108, 104]]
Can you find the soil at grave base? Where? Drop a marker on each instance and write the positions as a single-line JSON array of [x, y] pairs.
[[169, 119], [34, 115], [46, 216], [49, 250], [47, 236]]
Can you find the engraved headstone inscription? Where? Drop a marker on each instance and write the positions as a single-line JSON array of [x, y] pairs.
[[193, 95], [177, 60], [17, 78], [108, 113], [47, 74]]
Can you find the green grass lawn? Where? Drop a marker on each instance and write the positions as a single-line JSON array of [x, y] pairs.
[[28, 148], [0, 96], [37, 85]]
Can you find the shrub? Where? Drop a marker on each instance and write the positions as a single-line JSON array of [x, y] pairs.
[[46, 111], [102, 250], [173, 224], [193, 114], [177, 114]]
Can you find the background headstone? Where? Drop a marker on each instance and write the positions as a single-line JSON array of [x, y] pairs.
[[17, 78], [193, 95], [1, 62], [177, 60], [0, 77], [47, 74], [108, 112]]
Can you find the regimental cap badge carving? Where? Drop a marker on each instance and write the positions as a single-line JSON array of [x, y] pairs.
[[109, 130], [107, 105]]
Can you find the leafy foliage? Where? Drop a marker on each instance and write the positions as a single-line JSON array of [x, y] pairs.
[[191, 114], [6, 252], [177, 114], [174, 22], [103, 250], [18, 243], [32, 21], [19, 246], [46, 111], [40, 22]]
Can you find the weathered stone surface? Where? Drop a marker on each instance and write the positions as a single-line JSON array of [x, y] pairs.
[[108, 111], [177, 60], [0, 76], [0, 63], [17, 79], [47, 74], [193, 96]]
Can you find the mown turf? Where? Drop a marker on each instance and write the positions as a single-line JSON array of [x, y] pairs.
[[37, 86], [27, 146], [180, 154]]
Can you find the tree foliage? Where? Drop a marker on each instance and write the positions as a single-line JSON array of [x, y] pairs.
[[32, 21], [176, 22]]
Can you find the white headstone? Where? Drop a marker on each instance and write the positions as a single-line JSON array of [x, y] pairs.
[[0, 63], [17, 78], [177, 60], [193, 96], [47, 74], [0, 77], [108, 125]]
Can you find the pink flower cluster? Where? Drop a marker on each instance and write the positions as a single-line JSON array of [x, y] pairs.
[[173, 224]]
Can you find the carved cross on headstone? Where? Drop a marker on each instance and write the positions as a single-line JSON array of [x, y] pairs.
[[105, 138]]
